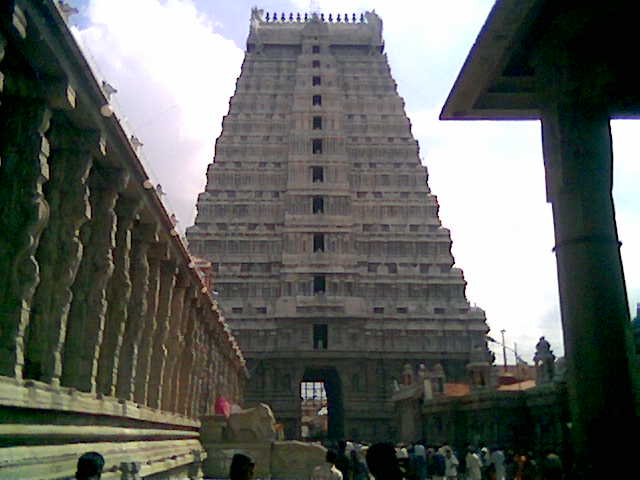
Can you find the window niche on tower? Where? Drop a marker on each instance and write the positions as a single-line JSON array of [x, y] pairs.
[[316, 81], [315, 49], [316, 146], [318, 242], [317, 123], [315, 64], [320, 337], [316, 100], [317, 205], [317, 174], [319, 285]]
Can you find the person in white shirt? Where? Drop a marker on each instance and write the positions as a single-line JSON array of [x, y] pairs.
[[328, 470], [474, 471], [497, 460], [451, 465]]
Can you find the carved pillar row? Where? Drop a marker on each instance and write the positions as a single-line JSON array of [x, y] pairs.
[[174, 341], [185, 370], [195, 371], [192, 359], [215, 361], [142, 237], [199, 363], [157, 254], [23, 214], [85, 323], [212, 361], [60, 251], [209, 399], [168, 278], [118, 296]]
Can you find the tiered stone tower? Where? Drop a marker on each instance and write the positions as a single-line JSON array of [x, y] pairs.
[[331, 261]]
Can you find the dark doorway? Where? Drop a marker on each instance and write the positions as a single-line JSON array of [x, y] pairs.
[[325, 384]]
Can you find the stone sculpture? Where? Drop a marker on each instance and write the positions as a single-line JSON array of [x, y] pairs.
[[545, 362], [293, 460], [251, 425]]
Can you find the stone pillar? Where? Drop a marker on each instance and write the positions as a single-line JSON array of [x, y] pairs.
[[173, 343], [595, 312], [3, 43], [209, 403], [23, 214], [196, 367], [157, 254], [168, 273], [85, 323], [185, 370], [118, 296], [575, 87], [142, 237], [216, 361], [60, 251]]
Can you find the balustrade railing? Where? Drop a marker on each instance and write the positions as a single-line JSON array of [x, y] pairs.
[[308, 17]]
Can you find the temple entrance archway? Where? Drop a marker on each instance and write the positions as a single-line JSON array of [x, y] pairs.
[[321, 392]]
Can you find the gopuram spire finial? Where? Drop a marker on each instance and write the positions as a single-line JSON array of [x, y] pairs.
[[314, 6]]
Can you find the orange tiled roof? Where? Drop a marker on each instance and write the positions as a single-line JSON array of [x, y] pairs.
[[456, 389], [517, 386]]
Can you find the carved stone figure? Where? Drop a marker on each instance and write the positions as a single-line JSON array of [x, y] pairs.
[[256, 14], [545, 362]]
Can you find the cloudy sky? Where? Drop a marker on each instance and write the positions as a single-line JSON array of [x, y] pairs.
[[175, 63]]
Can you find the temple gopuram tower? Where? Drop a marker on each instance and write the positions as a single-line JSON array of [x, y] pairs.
[[330, 260]]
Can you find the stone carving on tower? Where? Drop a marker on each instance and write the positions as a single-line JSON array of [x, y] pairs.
[[544, 360], [329, 255]]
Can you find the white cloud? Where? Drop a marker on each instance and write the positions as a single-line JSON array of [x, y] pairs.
[[491, 193], [174, 77]]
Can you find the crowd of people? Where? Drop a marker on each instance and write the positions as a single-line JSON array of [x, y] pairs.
[[385, 461]]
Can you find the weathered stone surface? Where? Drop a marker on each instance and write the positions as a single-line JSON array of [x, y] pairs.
[[60, 250], [85, 323], [24, 150], [219, 458], [143, 236], [79, 269], [527, 420], [118, 294], [255, 424], [212, 428], [295, 460], [168, 272], [173, 343], [146, 340], [183, 373], [322, 230]]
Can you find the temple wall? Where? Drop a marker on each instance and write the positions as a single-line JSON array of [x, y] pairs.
[[527, 420], [109, 338]]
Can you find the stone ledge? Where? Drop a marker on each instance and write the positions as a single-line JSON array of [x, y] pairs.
[[59, 461], [39, 395], [84, 433]]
